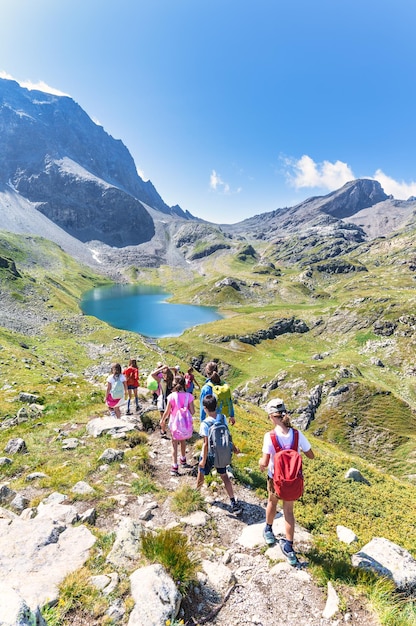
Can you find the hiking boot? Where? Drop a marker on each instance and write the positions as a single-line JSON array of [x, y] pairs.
[[269, 537], [235, 508], [184, 463], [174, 471], [129, 413], [137, 408], [164, 434], [288, 552]]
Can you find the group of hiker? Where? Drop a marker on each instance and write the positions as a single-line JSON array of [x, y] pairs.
[[174, 397]]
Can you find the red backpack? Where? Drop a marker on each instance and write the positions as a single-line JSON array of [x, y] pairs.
[[287, 472]]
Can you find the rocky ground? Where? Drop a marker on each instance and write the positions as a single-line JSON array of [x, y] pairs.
[[263, 587]]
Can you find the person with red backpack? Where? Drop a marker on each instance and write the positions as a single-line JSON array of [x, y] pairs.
[[132, 376], [282, 459]]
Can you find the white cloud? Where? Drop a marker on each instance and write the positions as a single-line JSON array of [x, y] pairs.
[[304, 172], [400, 190], [217, 184], [39, 86]]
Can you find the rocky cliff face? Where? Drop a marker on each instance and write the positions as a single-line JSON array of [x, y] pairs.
[[81, 178]]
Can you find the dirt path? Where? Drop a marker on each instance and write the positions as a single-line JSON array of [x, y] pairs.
[[262, 588]]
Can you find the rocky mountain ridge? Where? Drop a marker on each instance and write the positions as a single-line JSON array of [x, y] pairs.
[[74, 173], [63, 177]]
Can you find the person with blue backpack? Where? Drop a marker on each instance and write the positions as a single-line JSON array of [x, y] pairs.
[[281, 458], [217, 449], [215, 386]]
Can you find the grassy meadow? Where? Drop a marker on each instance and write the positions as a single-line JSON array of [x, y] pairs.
[[369, 423]]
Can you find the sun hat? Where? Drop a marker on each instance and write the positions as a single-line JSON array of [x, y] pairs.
[[275, 406]]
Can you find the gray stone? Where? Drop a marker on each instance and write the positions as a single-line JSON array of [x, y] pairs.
[[126, 546], [346, 535], [54, 498], [6, 494], [19, 503], [37, 554], [35, 475], [28, 397], [105, 582], [14, 611], [198, 518], [356, 476], [70, 444], [4, 460], [63, 513], [332, 602], [219, 576], [82, 488], [388, 559], [110, 455], [156, 596], [88, 517], [15, 446], [101, 425]]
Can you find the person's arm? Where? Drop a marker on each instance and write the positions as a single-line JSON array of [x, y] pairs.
[[264, 461], [235, 449], [231, 411], [310, 454], [108, 387], [206, 389], [204, 453], [156, 372], [191, 406], [166, 414]]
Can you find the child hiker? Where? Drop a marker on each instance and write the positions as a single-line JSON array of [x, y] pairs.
[[206, 462], [179, 399], [116, 390], [285, 435], [132, 375], [190, 380]]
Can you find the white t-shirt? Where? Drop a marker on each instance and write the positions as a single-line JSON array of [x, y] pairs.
[[207, 423], [285, 441], [112, 380]]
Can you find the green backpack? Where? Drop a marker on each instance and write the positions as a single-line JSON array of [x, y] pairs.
[[223, 394]]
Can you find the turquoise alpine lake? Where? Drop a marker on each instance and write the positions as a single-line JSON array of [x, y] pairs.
[[144, 310]]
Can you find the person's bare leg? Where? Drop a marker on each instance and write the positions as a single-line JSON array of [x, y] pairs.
[[289, 520], [227, 484]]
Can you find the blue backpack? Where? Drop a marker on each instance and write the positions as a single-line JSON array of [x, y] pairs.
[[220, 445]]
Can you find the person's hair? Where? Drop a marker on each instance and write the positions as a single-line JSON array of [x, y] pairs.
[[215, 378], [210, 402], [116, 369], [169, 376], [179, 383], [190, 369], [211, 367], [133, 363]]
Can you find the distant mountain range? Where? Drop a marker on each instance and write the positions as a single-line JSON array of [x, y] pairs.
[[63, 177], [72, 171]]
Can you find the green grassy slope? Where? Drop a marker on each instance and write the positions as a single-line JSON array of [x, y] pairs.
[[367, 380]]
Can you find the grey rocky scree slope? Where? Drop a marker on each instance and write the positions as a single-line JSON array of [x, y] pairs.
[[239, 583]]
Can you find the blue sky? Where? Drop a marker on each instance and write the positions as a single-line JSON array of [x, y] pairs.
[[233, 107]]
